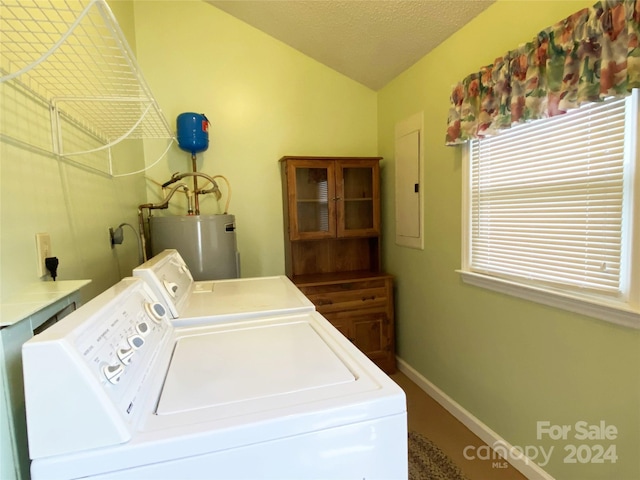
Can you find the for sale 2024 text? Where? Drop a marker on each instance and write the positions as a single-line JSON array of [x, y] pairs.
[[582, 431]]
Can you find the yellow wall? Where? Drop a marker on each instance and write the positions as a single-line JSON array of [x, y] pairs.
[[39, 193], [510, 362], [264, 100]]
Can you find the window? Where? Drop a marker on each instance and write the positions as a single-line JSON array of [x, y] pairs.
[[550, 211]]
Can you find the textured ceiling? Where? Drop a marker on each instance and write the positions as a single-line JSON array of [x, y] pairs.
[[370, 41]]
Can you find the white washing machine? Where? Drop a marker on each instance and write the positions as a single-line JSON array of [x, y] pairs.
[[190, 302], [116, 391]]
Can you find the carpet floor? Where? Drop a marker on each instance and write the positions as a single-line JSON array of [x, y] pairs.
[[428, 462]]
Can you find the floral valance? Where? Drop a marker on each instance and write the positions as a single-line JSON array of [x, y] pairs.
[[591, 55]]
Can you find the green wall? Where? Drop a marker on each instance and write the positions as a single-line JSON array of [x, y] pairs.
[[76, 206], [264, 100], [510, 362]]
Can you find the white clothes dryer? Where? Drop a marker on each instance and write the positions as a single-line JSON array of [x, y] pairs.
[[115, 390], [190, 302]]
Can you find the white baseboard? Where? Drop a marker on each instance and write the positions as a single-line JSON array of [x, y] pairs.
[[523, 464]]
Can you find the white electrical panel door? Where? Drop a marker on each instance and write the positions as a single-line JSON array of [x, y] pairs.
[[408, 182]]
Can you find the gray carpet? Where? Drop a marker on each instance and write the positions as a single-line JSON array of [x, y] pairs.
[[428, 462]]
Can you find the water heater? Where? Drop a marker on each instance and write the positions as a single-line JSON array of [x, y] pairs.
[[207, 243], [193, 132]]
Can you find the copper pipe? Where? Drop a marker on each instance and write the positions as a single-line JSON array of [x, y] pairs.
[[195, 183], [143, 238], [165, 202]]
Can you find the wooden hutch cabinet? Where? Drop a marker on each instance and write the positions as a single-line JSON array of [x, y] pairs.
[[332, 247]]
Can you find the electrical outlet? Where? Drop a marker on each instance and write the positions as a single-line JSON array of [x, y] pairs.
[[43, 249]]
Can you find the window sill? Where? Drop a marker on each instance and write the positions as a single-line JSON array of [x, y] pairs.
[[603, 311]]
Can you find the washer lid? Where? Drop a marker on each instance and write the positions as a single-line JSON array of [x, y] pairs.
[[248, 364]]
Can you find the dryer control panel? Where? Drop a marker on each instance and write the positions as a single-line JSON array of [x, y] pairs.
[[170, 279], [87, 377]]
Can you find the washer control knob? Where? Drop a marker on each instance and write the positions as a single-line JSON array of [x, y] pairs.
[[136, 341], [187, 272], [156, 311], [143, 328], [113, 372], [171, 287], [125, 355]]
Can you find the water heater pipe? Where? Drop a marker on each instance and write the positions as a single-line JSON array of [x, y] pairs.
[[194, 166], [179, 176], [152, 206], [165, 202]]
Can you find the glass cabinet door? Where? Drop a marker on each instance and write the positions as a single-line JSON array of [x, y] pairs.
[[358, 200], [313, 201]]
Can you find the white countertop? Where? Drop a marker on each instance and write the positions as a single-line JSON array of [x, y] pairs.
[[36, 297]]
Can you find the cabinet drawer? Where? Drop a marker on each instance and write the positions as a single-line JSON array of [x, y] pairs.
[[343, 286], [347, 315], [332, 301]]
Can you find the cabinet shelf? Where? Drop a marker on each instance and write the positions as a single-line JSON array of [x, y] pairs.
[[70, 60]]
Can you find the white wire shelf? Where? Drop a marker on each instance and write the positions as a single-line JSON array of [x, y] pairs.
[[71, 56]]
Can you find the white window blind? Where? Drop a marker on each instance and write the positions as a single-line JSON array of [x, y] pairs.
[[547, 201]]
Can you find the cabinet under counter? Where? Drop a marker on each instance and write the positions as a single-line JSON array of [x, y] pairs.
[[360, 305]]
